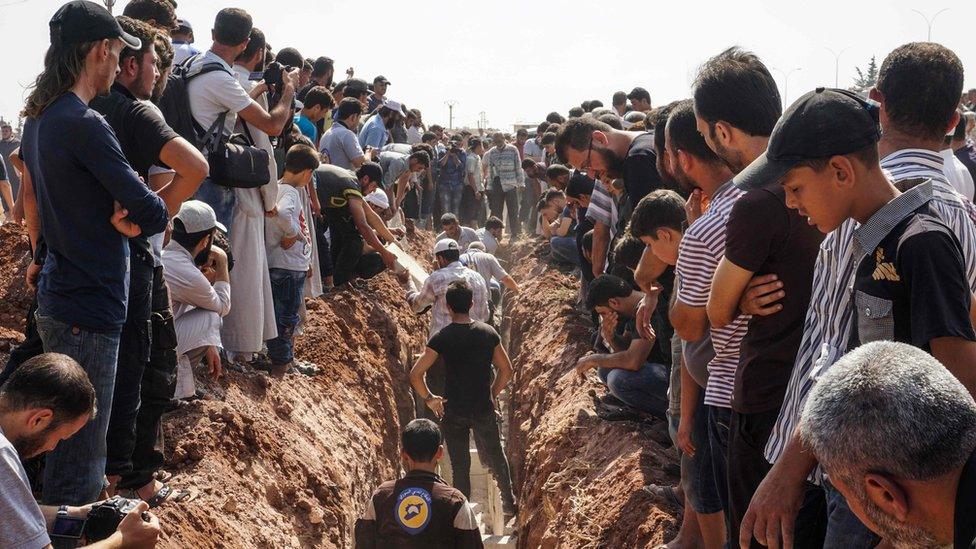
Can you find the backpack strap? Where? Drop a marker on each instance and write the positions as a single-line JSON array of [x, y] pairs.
[[187, 72]]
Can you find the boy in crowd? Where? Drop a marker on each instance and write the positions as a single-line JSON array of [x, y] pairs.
[[316, 105], [915, 120], [468, 349], [659, 221], [290, 253], [504, 181], [419, 508], [633, 371]]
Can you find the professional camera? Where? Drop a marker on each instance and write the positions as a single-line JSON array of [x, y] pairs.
[[274, 76], [104, 518]]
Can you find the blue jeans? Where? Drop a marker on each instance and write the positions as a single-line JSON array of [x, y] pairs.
[[564, 249], [427, 202], [221, 199], [703, 492], [74, 471], [645, 389], [451, 198], [844, 529], [286, 290], [718, 445]]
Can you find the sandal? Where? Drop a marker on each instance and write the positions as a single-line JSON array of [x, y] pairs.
[[166, 494], [306, 368], [665, 493], [162, 476]]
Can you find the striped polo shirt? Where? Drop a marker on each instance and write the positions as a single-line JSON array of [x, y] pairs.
[[701, 249], [828, 324]]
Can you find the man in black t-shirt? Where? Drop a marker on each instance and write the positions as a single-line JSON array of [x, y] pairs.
[[468, 348], [146, 141], [351, 224], [605, 153]]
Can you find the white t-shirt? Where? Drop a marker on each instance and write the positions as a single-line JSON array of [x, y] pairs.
[[289, 222], [215, 93], [22, 524], [485, 264], [957, 174], [474, 168], [531, 149]]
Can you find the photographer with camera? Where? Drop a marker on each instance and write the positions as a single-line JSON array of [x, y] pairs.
[[453, 169], [218, 92], [48, 399]]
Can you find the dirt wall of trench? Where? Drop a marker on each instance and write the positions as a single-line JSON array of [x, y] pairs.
[[580, 477], [281, 463]]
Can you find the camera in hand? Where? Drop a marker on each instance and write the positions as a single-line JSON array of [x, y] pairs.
[[274, 76], [104, 518]]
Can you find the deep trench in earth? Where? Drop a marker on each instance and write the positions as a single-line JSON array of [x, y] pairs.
[[292, 463]]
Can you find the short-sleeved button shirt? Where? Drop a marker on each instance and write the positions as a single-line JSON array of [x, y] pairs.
[[910, 285]]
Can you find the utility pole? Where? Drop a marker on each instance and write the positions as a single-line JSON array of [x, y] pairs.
[[450, 113], [929, 21], [109, 4], [837, 64], [483, 120], [786, 83]]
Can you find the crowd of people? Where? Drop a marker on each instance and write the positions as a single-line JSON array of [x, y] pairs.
[[790, 291]]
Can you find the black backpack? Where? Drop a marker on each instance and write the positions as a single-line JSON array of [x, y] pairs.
[[234, 160], [175, 101]]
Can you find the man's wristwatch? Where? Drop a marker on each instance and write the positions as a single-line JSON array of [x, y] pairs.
[[66, 526]]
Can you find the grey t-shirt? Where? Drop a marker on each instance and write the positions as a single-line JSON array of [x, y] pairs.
[[342, 146], [485, 264], [393, 164], [22, 525], [697, 356]]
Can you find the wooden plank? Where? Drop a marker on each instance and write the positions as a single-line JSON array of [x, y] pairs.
[[406, 262]]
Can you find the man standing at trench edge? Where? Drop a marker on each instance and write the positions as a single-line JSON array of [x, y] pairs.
[[84, 201]]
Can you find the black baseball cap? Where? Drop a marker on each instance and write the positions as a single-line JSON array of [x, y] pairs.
[[639, 93], [380, 80], [823, 123], [356, 86], [82, 21]]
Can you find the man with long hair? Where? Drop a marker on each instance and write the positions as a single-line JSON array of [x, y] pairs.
[[82, 202]]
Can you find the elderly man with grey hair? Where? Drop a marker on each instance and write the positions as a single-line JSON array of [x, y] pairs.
[[896, 433]]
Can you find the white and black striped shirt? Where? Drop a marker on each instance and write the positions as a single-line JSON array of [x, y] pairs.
[[701, 249], [827, 328]]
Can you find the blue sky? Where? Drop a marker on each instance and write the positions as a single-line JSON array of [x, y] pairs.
[[518, 60]]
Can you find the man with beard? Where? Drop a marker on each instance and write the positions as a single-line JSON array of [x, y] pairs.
[[701, 249], [146, 140], [48, 399], [916, 487], [737, 104], [605, 153]]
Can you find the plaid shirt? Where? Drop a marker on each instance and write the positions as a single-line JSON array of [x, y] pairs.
[[434, 293]]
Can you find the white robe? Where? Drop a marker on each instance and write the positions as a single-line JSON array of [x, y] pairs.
[[251, 320]]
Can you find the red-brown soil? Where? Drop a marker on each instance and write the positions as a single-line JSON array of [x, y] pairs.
[[286, 463], [580, 476], [291, 463]]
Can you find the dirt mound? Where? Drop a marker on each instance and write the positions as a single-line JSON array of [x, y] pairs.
[[14, 297], [580, 477], [292, 463], [283, 463]]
